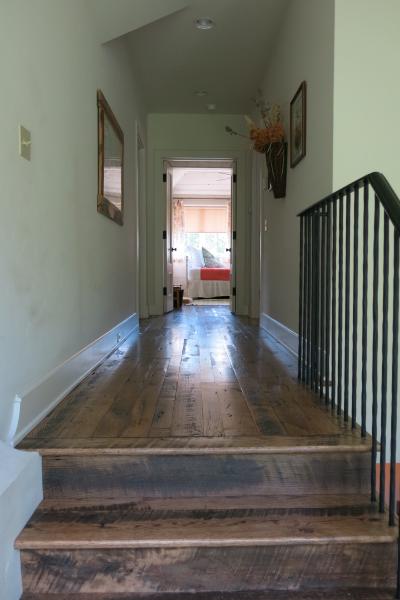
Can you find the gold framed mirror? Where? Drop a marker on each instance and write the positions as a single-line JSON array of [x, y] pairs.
[[110, 197]]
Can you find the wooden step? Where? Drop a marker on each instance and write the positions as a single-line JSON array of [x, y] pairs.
[[345, 441], [104, 475], [206, 569], [122, 527], [126, 549], [361, 594]]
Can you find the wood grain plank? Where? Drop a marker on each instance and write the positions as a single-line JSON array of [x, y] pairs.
[[348, 594], [188, 408], [182, 475], [212, 409], [120, 529], [201, 345], [236, 417], [338, 444], [321, 504], [296, 567]]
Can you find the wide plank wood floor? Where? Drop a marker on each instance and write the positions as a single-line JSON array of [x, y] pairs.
[[196, 378], [366, 594]]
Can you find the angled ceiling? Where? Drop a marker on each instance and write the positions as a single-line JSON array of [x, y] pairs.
[[171, 58], [115, 18]]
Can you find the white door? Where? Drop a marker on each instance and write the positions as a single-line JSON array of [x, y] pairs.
[[168, 250], [233, 241]]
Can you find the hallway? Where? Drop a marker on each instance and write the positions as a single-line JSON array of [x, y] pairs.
[[192, 461], [197, 378]]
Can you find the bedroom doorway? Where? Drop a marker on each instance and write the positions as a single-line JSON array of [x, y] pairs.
[[199, 248]]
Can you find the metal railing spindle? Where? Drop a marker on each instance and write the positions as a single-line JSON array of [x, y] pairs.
[[375, 303], [395, 355], [385, 307]]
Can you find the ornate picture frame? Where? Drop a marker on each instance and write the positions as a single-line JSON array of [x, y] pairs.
[[298, 125], [110, 197]]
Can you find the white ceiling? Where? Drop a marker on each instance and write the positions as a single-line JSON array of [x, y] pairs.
[[171, 58], [115, 18], [201, 182]]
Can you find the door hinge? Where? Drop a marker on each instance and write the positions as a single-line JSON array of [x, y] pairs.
[[234, 291], [234, 178], [164, 290], [164, 235], [234, 235], [164, 178]]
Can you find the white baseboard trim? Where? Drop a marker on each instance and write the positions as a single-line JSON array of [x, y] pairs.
[[285, 336], [31, 406], [155, 311]]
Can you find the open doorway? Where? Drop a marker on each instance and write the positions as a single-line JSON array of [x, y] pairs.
[[200, 216]]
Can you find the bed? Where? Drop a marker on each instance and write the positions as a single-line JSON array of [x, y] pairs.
[[206, 282]]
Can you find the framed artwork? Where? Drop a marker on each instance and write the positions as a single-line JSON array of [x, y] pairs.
[[110, 197], [298, 130]]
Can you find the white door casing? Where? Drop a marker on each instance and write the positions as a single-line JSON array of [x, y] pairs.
[[168, 290], [233, 239]]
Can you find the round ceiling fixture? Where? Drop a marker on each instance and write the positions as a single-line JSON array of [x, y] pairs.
[[200, 93], [204, 23]]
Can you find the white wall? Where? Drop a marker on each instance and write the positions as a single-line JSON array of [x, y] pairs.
[[303, 50], [366, 132], [67, 273], [20, 493], [197, 136], [367, 90]]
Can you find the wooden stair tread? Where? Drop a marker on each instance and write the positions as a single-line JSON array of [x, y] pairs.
[[349, 594], [343, 442], [81, 529]]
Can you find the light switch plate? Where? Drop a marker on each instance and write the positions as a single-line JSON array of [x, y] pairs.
[[25, 143]]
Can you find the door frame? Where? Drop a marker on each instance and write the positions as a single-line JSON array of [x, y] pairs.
[[156, 202], [208, 162], [168, 282], [142, 305]]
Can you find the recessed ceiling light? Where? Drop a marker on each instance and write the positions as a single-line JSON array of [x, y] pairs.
[[201, 93], [204, 23], [211, 106]]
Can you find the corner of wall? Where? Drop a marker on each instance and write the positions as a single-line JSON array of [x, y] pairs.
[[20, 493]]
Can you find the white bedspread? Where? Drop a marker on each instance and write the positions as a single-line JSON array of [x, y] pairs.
[[206, 289]]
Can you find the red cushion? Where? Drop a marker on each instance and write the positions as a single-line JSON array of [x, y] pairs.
[[215, 274]]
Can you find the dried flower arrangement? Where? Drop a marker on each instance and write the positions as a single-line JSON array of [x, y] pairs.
[[269, 140], [273, 131]]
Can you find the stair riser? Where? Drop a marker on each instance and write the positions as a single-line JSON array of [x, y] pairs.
[[294, 567], [366, 594], [129, 477]]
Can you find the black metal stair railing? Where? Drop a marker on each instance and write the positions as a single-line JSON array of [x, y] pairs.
[[349, 316]]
